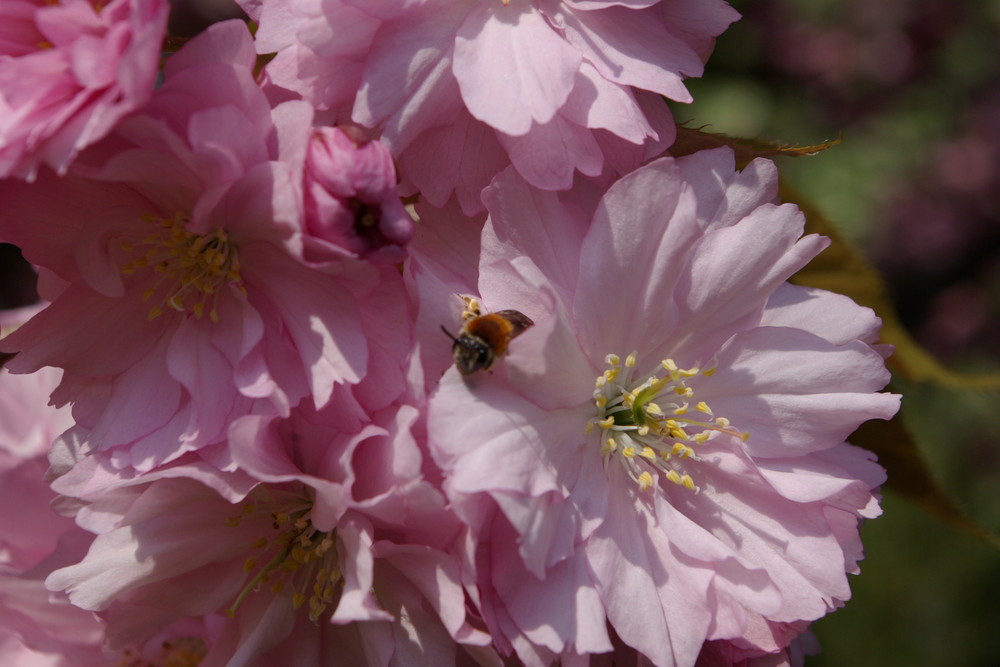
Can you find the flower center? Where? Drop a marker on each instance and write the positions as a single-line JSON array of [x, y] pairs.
[[296, 555], [651, 424], [191, 268]]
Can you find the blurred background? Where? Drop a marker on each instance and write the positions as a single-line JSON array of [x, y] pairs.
[[913, 89]]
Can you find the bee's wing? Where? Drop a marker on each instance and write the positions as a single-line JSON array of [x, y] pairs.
[[518, 320]]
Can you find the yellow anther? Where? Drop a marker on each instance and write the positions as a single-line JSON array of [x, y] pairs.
[[646, 481], [679, 449], [607, 422], [609, 446], [612, 360], [744, 436], [648, 453], [669, 365], [673, 476], [703, 407], [154, 312], [259, 543], [600, 400], [298, 600], [708, 372], [325, 545], [688, 482], [249, 564], [277, 586], [653, 409], [682, 410], [630, 360], [629, 452], [642, 431], [722, 421], [700, 438]]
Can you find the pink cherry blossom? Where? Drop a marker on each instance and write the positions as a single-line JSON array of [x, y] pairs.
[[458, 90], [671, 428], [174, 260], [69, 71], [340, 550]]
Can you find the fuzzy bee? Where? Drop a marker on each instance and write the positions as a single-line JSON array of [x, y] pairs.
[[484, 338]]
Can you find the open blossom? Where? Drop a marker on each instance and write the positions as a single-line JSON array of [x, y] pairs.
[[459, 89], [340, 550], [172, 256], [69, 71], [671, 428]]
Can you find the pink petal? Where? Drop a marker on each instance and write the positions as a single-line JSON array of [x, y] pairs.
[[548, 155], [529, 68], [633, 48], [831, 316]]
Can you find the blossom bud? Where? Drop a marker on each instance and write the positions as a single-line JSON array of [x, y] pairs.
[[350, 195]]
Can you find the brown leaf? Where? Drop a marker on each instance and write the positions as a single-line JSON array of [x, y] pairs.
[[691, 140]]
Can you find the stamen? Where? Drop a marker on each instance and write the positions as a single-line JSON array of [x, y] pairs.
[[191, 268], [646, 430], [299, 555]]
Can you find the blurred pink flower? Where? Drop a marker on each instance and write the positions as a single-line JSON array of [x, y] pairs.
[[69, 71], [351, 204], [40, 627], [672, 428], [29, 528], [459, 90], [342, 537], [172, 255]]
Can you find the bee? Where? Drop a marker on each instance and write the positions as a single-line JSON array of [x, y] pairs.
[[484, 338]]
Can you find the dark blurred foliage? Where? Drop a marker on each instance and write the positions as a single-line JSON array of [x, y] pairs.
[[17, 280], [189, 17], [913, 87]]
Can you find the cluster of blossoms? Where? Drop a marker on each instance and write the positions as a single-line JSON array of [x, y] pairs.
[[258, 448]]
